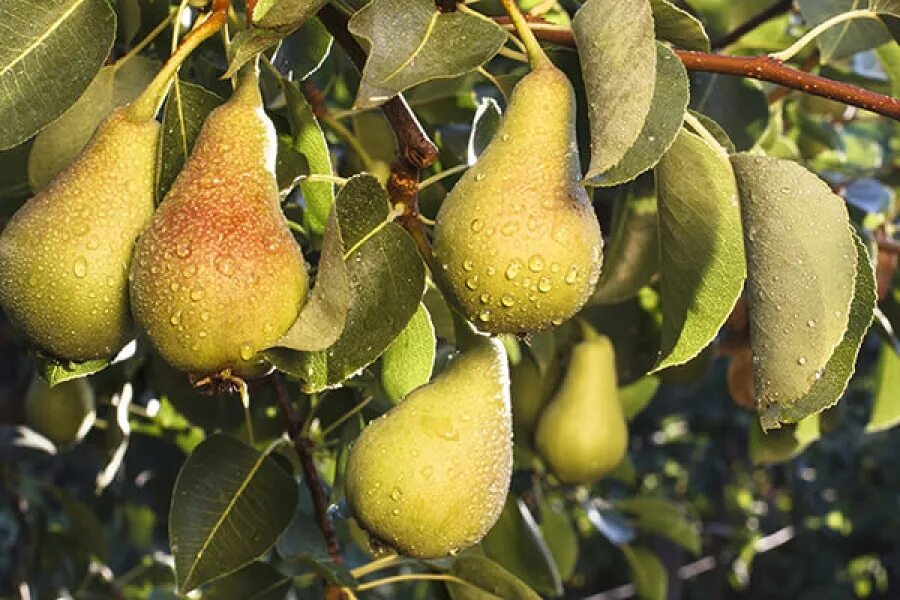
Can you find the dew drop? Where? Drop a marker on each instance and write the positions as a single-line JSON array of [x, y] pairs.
[[175, 319], [396, 512], [468, 264], [544, 285], [174, 286], [572, 275], [472, 282], [477, 225], [507, 300], [485, 298], [196, 294], [182, 250], [512, 271], [204, 316], [80, 267], [479, 177], [246, 351], [485, 316], [801, 361], [223, 266], [505, 137], [536, 263], [810, 323], [509, 229], [396, 494]]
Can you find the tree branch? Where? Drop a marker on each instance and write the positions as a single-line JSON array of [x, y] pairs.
[[763, 68], [304, 447], [776, 9]]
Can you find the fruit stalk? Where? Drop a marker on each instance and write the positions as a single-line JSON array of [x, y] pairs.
[[535, 53]]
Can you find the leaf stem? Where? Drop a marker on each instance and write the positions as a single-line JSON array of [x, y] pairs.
[[375, 565], [703, 132], [512, 54], [792, 50], [346, 416], [148, 39], [413, 577], [442, 175], [244, 391], [535, 52], [322, 178]]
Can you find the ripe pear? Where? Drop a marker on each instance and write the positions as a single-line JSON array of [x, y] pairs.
[[582, 434], [64, 413], [217, 276], [430, 476], [517, 239], [64, 255]]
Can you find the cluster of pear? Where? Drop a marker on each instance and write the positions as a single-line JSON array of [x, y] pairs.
[[213, 276]]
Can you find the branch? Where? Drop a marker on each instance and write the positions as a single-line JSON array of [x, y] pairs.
[[763, 68], [304, 447], [887, 244], [776, 9]]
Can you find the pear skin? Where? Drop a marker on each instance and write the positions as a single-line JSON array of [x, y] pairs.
[[582, 434], [64, 413], [430, 477], [517, 240], [64, 256], [217, 276]]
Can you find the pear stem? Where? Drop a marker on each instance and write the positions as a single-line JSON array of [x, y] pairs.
[[145, 107], [535, 53], [376, 565], [414, 577]]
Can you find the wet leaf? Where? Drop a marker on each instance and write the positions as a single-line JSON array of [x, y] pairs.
[[408, 361]]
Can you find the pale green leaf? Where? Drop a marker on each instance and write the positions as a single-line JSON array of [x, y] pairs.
[[50, 53], [649, 574], [409, 360], [670, 100], [56, 371], [662, 517], [229, 505], [781, 445], [635, 397], [488, 581], [411, 42], [810, 290], [678, 26], [702, 267], [886, 404], [844, 39], [618, 62]]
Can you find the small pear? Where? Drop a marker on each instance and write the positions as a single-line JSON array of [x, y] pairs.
[[582, 434], [217, 276], [64, 413], [530, 390], [64, 255], [517, 239], [431, 476]]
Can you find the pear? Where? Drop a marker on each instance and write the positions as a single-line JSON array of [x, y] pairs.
[[430, 477], [64, 413], [217, 276], [582, 434], [530, 390], [517, 240]]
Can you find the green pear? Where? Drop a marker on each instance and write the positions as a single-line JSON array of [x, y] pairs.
[[217, 276], [530, 390], [64, 255], [517, 240], [582, 434], [64, 413], [430, 477]]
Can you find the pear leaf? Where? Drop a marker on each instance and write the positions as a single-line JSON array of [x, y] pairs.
[[409, 360], [781, 445], [635, 397], [309, 140], [662, 517], [410, 42], [484, 126], [886, 406], [46, 43], [56, 371], [650, 577], [256, 581], [486, 581], [187, 106], [618, 62], [299, 54], [229, 505], [737, 105], [847, 38], [702, 267], [678, 26], [284, 14], [670, 100], [61, 141], [562, 539], [810, 291]]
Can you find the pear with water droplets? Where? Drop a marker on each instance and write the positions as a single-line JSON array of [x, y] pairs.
[[517, 240], [582, 434], [430, 477], [217, 276]]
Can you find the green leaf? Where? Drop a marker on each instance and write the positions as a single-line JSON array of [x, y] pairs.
[[309, 140], [650, 577], [408, 361], [517, 545], [847, 38], [737, 104], [632, 254], [670, 100], [229, 505], [618, 62], [488, 581], [715, 130], [810, 291], [55, 371], [484, 126], [561, 537], [781, 445], [636, 396], [284, 14], [886, 405], [885, 7], [411, 42], [303, 51], [662, 517], [61, 141], [186, 108], [256, 581], [702, 267], [51, 52], [322, 318], [678, 26], [14, 178]]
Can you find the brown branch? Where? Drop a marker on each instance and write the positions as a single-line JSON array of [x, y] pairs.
[[763, 68], [304, 448], [776, 9], [887, 244]]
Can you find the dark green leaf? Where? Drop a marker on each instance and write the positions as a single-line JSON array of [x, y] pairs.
[[650, 577], [487, 120], [844, 39], [738, 105], [488, 581], [408, 361], [561, 537], [50, 53], [678, 26], [618, 62], [256, 581], [662, 517], [411, 42], [302, 52], [284, 14], [229, 505]]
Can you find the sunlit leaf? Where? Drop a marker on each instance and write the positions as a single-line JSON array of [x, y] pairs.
[[487, 580], [408, 361], [886, 405], [650, 577], [678, 26]]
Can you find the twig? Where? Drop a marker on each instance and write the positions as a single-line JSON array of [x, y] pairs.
[[763, 68], [776, 9], [888, 245], [304, 447], [780, 92]]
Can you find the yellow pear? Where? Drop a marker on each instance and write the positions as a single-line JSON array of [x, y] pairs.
[[430, 476], [217, 276], [582, 434]]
